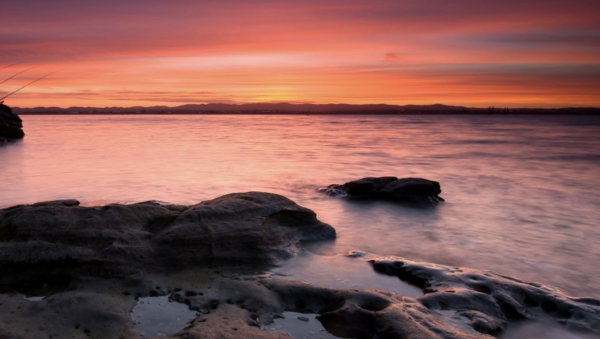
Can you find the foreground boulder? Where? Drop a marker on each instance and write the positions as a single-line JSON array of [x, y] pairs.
[[60, 237], [11, 126], [408, 190]]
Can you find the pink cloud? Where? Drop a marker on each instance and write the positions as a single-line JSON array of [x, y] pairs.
[[322, 51]]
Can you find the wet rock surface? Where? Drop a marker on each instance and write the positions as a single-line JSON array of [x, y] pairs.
[[405, 190], [490, 301], [87, 267], [366, 313], [65, 239], [11, 126], [232, 303]]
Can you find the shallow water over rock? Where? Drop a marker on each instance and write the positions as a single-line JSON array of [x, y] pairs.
[[160, 317], [544, 330], [342, 272], [300, 326]]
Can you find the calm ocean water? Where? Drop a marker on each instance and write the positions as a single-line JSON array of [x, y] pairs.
[[521, 192]]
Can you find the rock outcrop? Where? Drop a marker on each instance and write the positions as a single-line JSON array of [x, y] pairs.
[[63, 238], [11, 126], [488, 301], [91, 264], [458, 303], [405, 190]]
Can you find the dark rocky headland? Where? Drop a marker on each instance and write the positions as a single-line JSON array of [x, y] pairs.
[[93, 263], [405, 190], [11, 126]]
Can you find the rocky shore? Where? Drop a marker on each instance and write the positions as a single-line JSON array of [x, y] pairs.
[[88, 267], [11, 126]]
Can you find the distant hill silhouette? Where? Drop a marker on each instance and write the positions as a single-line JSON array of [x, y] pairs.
[[282, 108], [287, 107]]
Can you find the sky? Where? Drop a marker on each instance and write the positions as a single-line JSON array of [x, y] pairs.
[[474, 53]]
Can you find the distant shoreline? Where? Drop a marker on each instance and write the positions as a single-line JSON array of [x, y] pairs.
[[308, 109], [558, 112]]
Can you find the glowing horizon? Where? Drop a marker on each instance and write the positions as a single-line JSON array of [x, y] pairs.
[[466, 53]]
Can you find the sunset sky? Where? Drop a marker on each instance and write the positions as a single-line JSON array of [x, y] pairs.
[[476, 53]]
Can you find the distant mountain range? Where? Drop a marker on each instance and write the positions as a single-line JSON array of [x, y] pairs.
[[276, 108]]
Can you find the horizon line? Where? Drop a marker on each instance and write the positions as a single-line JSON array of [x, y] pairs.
[[383, 107]]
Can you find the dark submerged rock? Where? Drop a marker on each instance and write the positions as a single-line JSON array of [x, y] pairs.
[[11, 126], [407, 190]]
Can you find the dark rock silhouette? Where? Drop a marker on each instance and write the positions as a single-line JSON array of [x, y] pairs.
[[11, 126], [64, 238], [407, 190]]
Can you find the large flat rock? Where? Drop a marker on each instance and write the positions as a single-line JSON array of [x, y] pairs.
[[61, 237]]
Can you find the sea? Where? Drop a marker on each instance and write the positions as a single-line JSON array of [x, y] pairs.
[[521, 192]]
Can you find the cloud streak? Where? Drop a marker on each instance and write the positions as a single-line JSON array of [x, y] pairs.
[[509, 53]]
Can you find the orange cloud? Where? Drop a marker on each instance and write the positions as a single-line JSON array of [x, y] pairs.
[[467, 52]]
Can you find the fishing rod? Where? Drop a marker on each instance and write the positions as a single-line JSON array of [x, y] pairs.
[[11, 65], [36, 80], [5, 80]]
